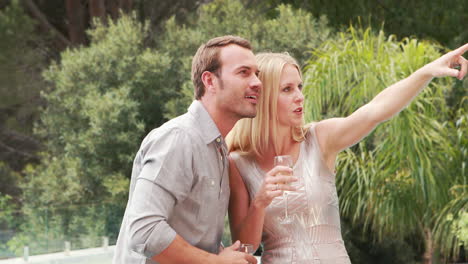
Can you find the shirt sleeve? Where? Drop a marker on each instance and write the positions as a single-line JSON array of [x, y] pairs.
[[165, 179]]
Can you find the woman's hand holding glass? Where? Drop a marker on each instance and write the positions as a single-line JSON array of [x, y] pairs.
[[276, 181]]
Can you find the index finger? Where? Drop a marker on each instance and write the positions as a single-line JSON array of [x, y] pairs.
[[461, 50], [278, 169], [282, 179]]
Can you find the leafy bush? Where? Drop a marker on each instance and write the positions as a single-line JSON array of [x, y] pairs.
[[293, 31], [394, 181], [100, 101]]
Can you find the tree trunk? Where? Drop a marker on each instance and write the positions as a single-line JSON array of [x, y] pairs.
[[429, 247], [97, 8], [76, 21], [126, 5], [60, 41], [113, 8]]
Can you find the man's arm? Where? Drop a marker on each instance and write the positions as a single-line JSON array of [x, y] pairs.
[[162, 182], [179, 251], [166, 179]]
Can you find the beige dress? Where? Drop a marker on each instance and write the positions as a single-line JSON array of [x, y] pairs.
[[314, 234]]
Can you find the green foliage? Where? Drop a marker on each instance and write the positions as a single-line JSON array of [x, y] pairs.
[[82, 225], [13, 21], [10, 217], [22, 58], [436, 20], [397, 179], [7, 211], [363, 248], [10, 180], [16, 32], [101, 100], [452, 220], [294, 31]]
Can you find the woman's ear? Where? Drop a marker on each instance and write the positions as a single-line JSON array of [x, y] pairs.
[[209, 80]]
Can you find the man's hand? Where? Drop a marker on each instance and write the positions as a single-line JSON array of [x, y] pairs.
[[230, 255]]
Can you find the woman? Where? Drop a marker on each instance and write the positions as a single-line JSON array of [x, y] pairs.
[[257, 206]]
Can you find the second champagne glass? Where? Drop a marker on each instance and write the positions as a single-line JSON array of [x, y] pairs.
[[286, 161], [246, 248]]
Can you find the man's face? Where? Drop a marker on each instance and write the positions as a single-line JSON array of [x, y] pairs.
[[238, 85]]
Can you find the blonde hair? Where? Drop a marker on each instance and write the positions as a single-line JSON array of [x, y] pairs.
[[253, 136]]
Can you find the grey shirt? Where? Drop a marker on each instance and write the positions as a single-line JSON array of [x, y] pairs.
[[180, 185]]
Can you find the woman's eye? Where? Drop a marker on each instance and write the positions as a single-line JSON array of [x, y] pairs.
[[286, 89]]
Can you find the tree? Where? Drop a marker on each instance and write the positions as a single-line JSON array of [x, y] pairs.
[[78, 14], [451, 224], [103, 98], [294, 31], [425, 20], [33, 34], [395, 181], [21, 58], [100, 101]]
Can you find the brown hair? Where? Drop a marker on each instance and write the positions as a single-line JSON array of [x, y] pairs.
[[207, 59]]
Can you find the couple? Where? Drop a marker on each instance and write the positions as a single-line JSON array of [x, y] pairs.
[[183, 179]]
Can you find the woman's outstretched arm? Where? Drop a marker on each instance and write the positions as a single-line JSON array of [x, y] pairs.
[[336, 134]]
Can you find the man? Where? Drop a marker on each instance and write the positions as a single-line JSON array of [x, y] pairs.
[[179, 189]]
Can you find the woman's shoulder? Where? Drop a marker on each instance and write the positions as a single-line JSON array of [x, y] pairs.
[[311, 138], [244, 164], [235, 155], [309, 131], [240, 159]]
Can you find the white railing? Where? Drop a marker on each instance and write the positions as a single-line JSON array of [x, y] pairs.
[[101, 255]]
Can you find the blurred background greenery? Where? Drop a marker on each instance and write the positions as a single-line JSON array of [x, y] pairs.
[[83, 81]]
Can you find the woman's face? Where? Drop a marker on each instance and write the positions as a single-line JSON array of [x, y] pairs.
[[290, 97]]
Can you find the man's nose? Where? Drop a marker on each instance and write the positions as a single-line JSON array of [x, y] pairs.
[[256, 83]]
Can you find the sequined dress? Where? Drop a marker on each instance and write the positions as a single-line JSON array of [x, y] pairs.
[[314, 234]]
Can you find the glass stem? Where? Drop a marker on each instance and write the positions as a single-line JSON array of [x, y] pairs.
[[285, 195]]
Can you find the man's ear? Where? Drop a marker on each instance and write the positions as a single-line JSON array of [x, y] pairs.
[[209, 80]]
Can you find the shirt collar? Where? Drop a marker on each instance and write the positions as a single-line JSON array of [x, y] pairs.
[[207, 126]]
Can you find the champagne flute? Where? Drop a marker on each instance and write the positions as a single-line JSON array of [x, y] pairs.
[[246, 248], [287, 161]]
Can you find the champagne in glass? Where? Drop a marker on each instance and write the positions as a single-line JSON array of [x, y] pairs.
[[286, 161], [247, 248]]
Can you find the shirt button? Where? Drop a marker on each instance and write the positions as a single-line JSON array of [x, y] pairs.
[[218, 140]]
